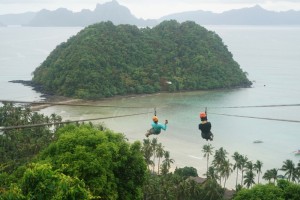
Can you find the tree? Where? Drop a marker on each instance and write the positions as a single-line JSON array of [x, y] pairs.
[[289, 169], [186, 172], [212, 174], [159, 153], [266, 192], [249, 178], [257, 166], [274, 174], [243, 162], [237, 165], [219, 159], [207, 149], [268, 175], [109, 166], [41, 182], [147, 150], [212, 190], [20, 145], [154, 146], [168, 161], [225, 170]]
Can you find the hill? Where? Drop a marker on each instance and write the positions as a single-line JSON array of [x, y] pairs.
[[105, 60]]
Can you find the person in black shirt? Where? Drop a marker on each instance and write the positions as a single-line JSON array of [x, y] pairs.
[[205, 127]]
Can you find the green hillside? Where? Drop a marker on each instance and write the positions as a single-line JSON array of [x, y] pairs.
[[105, 60]]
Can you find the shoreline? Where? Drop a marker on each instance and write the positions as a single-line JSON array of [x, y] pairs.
[[52, 98]]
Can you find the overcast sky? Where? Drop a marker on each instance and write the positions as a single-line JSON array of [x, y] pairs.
[[147, 9]]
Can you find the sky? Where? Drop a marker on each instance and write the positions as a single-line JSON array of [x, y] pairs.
[[147, 9]]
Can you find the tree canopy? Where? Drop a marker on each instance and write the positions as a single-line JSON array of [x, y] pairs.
[[83, 163], [104, 60]]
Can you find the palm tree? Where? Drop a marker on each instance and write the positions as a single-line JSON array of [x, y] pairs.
[[168, 161], [237, 158], [243, 162], [249, 166], [219, 158], [225, 170], [274, 173], [194, 190], [249, 178], [289, 168], [211, 174], [154, 145], [213, 190], [298, 171], [159, 154], [268, 176], [147, 150], [257, 166], [207, 150]]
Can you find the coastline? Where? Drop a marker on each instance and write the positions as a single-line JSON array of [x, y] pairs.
[[52, 98]]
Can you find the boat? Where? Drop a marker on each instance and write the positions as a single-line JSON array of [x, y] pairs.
[[257, 141], [297, 152]]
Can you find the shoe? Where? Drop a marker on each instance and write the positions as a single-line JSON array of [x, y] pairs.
[[147, 134]]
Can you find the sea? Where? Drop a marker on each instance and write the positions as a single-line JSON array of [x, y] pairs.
[[269, 54]]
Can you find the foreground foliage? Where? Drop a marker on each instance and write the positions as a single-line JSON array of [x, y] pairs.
[[20, 145], [104, 60], [88, 162], [84, 163], [284, 190]]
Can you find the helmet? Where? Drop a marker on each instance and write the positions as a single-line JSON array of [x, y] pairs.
[[155, 119], [202, 114]]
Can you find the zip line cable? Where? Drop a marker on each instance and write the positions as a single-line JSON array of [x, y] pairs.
[[260, 106], [66, 122], [265, 118], [67, 104], [109, 106]]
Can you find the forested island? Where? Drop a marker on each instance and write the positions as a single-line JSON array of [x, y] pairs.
[[104, 60]]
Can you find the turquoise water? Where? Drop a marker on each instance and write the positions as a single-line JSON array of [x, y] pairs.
[[270, 55]]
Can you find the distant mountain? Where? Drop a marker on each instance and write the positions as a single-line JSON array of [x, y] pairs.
[[118, 14], [246, 16], [17, 19], [111, 11]]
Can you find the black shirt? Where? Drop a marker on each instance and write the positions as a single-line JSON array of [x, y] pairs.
[[205, 128]]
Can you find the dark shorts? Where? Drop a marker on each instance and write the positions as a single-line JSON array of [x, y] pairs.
[[206, 135], [152, 131]]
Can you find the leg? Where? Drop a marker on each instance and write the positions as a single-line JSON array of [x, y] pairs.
[[150, 132], [211, 136]]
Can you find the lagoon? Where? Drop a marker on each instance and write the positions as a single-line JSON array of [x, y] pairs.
[[270, 55]]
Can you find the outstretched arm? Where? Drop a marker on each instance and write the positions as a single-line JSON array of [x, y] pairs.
[[164, 126]]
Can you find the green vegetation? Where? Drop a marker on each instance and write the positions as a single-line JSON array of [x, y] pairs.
[[105, 60], [19, 146], [81, 161], [74, 162]]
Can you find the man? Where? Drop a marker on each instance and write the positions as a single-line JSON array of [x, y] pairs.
[[156, 127], [205, 127]]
